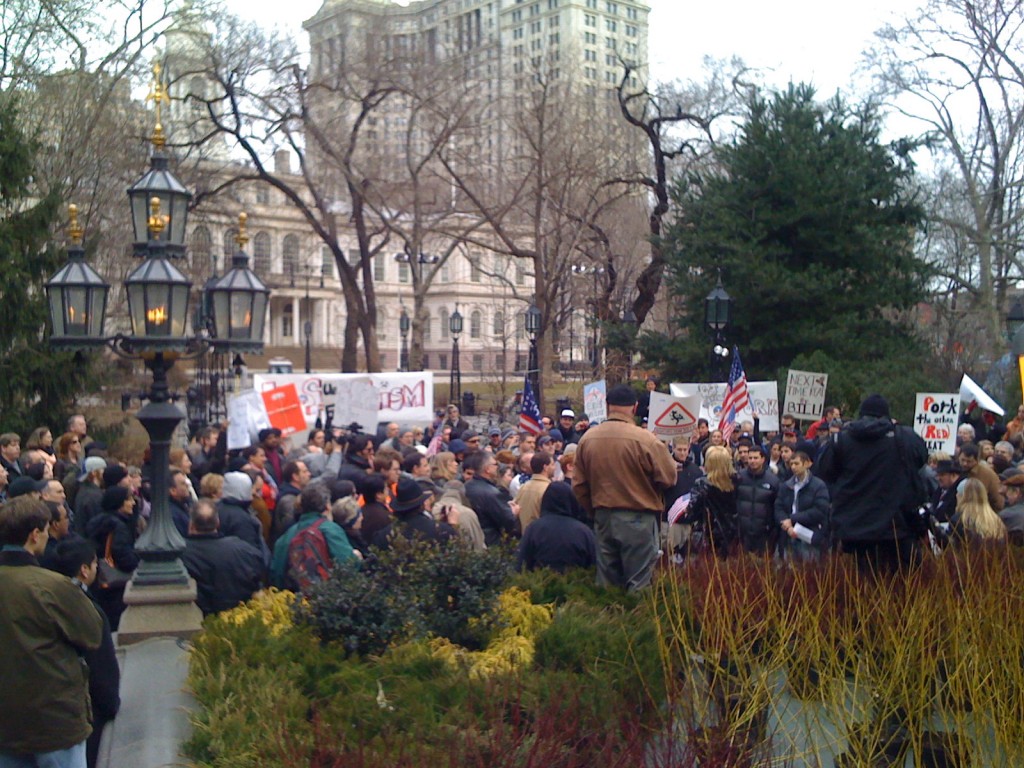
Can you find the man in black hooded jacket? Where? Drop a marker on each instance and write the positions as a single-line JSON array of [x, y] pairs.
[[868, 468], [558, 539]]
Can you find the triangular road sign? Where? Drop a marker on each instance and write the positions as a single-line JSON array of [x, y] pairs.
[[675, 417]]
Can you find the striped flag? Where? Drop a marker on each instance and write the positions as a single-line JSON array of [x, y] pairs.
[[529, 415], [736, 396]]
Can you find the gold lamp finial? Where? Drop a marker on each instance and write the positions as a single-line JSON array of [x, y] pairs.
[[157, 223], [158, 95], [74, 230], [242, 237]]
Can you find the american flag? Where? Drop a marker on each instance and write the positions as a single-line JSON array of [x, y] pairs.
[[529, 415], [736, 396]]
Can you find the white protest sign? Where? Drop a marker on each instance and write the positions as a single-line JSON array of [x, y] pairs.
[[673, 417], [407, 398], [969, 390], [247, 415], [935, 420], [764, 398], [595, 403], [805, 394], [355, 400]]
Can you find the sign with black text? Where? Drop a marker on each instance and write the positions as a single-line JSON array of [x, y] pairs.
[[805, 394], [935, 420]]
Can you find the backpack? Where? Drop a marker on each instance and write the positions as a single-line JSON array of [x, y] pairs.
[[309, 560]]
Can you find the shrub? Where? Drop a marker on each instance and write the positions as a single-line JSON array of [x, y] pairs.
[[415, 589]]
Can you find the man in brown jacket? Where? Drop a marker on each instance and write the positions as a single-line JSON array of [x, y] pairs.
[[45, 622], [979, 470], [542, 470], [621, 474]]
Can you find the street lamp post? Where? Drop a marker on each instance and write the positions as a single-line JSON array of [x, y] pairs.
[[455, 382], [403, 328], [533, 318], [158, 297], [717, 309]]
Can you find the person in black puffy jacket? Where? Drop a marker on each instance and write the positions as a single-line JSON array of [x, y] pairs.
[[756, 491], [712, 509], [114, 523], [557, 539]]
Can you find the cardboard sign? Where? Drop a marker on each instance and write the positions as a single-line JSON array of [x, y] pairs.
[[764, 398], [355, 400], [407, 398], [595, 403], [672, 417], [247, 415], [284, 409], [935, 420], [805, 394]]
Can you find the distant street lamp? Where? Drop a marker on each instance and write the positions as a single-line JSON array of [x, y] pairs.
[[455, 382], [533, 319], [403, 328], [717, 314]]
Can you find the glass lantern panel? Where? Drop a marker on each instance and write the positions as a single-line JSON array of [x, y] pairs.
[[259, 316], [158, 310], [98, 311], [221, 325], [137, 309], [56, 296], [179, 309], [241, 315], [77, 320]]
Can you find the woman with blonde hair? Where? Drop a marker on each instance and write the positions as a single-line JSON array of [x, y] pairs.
[[443, 467], [975, 520], [712, 508]]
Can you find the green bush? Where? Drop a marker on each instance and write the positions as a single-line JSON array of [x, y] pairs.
[[415, 589]]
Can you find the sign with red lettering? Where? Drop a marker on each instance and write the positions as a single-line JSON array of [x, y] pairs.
[[284, 409], [935, 420]]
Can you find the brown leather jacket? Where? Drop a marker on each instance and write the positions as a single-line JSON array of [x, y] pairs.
[[622, 466]]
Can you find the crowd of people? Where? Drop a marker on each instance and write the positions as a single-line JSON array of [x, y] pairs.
[[610, 497]]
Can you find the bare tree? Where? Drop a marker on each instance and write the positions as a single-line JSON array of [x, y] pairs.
[[957, 67]]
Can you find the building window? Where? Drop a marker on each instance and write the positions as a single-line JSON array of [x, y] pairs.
[[442, 320], [201, 252], [475, 321], [428, 324], [499, 324], [261, 253], [327, 263], [592, 4], [426, 362], [520, 327], [442, 361], [520, 361], [590, 38], [520, 274], [610, 25], [589, 20], [478, 361], [378, 268], [612, 8], [230, 246], [290, 255], [287, 324], [263, 194], [499, 361], [403, 272], [474, 269], [382, 330]]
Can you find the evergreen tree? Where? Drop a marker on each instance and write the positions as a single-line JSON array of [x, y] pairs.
[[37, 385], [810, 221]]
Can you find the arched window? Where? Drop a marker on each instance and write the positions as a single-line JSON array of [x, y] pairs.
[[200, 247], [499, 324], [261, 253], [475, 321], [290, 255], [230, 246], [442, 320]]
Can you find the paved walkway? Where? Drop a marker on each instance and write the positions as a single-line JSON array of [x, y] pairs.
[[153, 721]]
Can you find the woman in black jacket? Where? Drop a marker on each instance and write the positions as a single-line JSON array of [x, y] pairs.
[[113, 531], [712, 508]]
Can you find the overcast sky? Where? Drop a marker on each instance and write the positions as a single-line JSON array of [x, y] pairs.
[[809, 40]]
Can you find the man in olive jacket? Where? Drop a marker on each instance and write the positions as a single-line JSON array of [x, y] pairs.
[[45, 622]]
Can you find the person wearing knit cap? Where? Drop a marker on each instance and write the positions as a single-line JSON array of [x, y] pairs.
[[113, 525], [870, 469]]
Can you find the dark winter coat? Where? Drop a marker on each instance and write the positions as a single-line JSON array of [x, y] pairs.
[[557, 539], [812, 505], [755, 509], [713, 511], [376, 518], [179, 516], [236, 520], [414, 525], [87, 505], [227, 570], [122, 546], [354, 468], [869, 483], [104, 675], [687, 475], [491, 505]]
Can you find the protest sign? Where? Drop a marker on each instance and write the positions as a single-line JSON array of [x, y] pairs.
[[407, 398], [935, 420], [247, 415], [805, 394], [595, 404], [284, 409], [971, 392], [764, 398], [672, 417], [355, 400]]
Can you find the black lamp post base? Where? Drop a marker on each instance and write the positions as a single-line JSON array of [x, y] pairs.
[[167, 610]]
